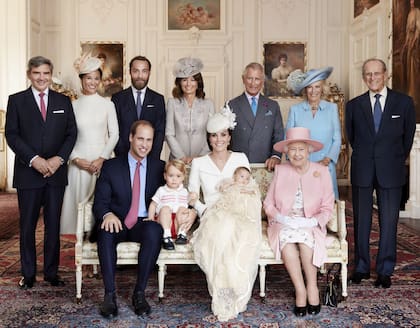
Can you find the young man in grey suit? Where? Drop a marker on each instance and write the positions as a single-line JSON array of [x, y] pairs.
[[259, 121], [138, 102], [41, 131], [380, 127]]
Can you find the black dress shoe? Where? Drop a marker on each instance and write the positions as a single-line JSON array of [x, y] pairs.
[[357, 277], [26, 283], [181, 239], [140, 304], [55, 281], [168, 244], [384, 281], [314, 309], [109, 308], [299, 311]]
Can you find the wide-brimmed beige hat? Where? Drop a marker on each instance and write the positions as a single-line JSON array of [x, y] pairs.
[[187, 66], [298, 135]]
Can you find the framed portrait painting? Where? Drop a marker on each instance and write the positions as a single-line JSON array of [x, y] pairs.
[[203, 14], [406, 49], [361, 5], [280, 59], [112, 55]]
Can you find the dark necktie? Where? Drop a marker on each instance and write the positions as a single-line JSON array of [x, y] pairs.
[[138, 104], [131, 218], [254, 105], [42, 105], [377, 112]]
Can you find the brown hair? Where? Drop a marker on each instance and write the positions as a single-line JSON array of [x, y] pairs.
[[141, 58], [199, 93], [136, 124]]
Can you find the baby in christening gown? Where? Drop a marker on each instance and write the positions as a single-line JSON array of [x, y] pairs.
[[227, 244]]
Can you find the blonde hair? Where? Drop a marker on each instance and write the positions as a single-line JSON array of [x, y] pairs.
[[178, 164]]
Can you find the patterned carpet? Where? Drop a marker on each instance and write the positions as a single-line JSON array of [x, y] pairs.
[[187, 303]]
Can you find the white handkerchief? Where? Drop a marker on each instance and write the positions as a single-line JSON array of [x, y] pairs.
[[151, 105], [395, 116], [58, 111]]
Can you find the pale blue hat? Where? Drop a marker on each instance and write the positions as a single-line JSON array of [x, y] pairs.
[[298, 80]]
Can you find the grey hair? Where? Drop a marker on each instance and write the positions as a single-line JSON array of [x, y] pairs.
[[310, 147], [38, 61], [253, 65], [373, 60]]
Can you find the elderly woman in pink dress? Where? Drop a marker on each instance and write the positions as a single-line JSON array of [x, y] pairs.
[[299, 203]]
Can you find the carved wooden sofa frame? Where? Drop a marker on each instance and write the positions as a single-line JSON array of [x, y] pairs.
[[86, 252]]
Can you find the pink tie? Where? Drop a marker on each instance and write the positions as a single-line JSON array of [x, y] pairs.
[[131, 218], [43, 109]]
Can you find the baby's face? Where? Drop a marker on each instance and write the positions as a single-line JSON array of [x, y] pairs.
[[173, 177], [242, 177]]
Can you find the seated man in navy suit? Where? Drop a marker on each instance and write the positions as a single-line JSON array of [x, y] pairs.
[[133, 174]]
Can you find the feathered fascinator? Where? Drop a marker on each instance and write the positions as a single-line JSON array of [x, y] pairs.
[[86, 64], [222, 120], [187, 66]]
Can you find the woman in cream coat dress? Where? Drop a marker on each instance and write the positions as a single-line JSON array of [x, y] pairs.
[[97, 135], [227, 242], [188, 112]]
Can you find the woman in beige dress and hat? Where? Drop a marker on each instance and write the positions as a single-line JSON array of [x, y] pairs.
[[298, 215], [188, 112], [97, 135], [227, 242]]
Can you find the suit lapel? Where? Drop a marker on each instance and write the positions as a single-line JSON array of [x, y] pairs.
[[387, 112], [367, 111], [246, 110], [35, 111]]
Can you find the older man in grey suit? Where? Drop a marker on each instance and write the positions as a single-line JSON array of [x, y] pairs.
[[259, 121]]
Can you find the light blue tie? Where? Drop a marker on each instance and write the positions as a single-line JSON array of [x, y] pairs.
[[377, 112], [254, 105], [138, 105]]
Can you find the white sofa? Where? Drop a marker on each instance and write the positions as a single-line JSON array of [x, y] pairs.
[[86, 252]]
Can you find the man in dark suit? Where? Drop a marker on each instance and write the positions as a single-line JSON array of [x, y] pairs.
[[256, 132], [138, 102], [112, 205], [380, 127], [41, 131]]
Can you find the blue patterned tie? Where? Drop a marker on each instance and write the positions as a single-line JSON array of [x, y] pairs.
[[138, 104], [377, 112], [254, 106]]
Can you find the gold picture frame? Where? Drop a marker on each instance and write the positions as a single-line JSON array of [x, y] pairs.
[[113, 70]]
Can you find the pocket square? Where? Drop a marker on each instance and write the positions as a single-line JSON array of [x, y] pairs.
[[395, 116], [58, 111], [269, 113], [151, 105]]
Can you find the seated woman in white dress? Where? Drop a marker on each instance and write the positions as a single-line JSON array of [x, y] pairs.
[[299, 204], [227, 242]]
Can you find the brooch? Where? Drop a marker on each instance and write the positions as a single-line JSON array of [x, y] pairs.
[[316, 174]]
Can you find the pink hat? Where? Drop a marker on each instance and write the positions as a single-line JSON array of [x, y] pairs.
[[297, 135]]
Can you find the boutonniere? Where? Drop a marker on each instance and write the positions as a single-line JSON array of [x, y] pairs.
[[316, 174], [265, 104]]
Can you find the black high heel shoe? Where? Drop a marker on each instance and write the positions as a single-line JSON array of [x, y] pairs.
[[314, 309], [299, 311]]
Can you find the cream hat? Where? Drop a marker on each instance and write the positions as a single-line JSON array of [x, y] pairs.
[[187, 66], [297, 135], [222, 120], [87, 64]]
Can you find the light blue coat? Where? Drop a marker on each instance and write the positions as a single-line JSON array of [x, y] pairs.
[[325, 127]]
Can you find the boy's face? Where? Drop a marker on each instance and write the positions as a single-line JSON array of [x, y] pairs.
[[242, 177], [173, 177]]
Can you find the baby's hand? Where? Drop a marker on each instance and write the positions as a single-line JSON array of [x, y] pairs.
[[192, 198]]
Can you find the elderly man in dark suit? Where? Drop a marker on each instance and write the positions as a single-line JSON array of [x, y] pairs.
[[138, 102], [41, 130], [123, 193], [259, 122], [380, 127]]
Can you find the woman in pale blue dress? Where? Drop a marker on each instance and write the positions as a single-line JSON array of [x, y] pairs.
[[318, 115]]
